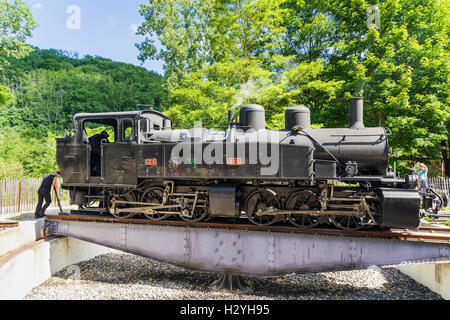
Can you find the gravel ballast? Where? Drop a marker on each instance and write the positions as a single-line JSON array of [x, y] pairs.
[[118, 276]]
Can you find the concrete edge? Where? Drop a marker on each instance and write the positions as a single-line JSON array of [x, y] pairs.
[[29, 214], [29, 266], [27, 232], [435, 277]]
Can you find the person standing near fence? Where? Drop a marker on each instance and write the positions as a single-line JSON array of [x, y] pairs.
[[44, 191], [422, 174]]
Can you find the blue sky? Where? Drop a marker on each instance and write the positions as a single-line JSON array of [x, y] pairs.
[[106, 28]]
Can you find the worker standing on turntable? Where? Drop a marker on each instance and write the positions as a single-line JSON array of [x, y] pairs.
[[44, 191]]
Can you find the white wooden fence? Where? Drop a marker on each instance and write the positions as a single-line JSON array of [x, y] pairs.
[[19, 195], [440, 185]]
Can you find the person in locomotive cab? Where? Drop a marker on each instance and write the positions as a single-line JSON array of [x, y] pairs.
[[44, 191], [96, 145]]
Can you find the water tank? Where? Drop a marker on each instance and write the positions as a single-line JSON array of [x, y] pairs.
[[298, 116], [253, 116]]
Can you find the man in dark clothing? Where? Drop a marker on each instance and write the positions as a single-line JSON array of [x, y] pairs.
[[44, 193], [96, 145]]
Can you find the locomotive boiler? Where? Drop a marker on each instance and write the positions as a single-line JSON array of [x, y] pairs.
[[300, 175]]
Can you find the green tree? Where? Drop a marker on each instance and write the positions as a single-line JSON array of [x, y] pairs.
[[51, 87], [5, 95], [402, 69], [184, 29], [23, 152], [207, 95], [280, 53], [195, 34], [16, 24], [251, 28]]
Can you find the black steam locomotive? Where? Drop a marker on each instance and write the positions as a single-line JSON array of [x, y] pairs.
[[301, 175]]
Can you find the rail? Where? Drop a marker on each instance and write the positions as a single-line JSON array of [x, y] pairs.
[[425, 234], [7, 225]]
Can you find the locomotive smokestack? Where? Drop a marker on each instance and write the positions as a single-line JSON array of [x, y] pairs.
[[356, 106]]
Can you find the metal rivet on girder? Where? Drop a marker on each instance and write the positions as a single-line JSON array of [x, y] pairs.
[[443, 252]]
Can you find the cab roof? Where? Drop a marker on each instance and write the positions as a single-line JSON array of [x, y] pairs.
[[126, 114]]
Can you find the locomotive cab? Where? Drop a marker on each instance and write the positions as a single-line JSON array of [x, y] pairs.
[[114, 161]]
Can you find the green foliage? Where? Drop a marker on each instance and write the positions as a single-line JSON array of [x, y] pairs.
[[50, 87], [5, 95], [402, 69], [16, 24], [196, 34], [222, 54], [99, 129], [24, 152], [182, 28], [225, 53], [207, 95]]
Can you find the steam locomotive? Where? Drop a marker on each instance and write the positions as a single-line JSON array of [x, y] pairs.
[[300, 175]]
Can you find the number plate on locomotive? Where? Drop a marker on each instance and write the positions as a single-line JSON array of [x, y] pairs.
[[234, 162], [151, 162]]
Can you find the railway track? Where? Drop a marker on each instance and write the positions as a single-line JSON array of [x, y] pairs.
[[6, 225], [425, 234]]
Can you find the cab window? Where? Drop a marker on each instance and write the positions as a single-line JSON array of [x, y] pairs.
[[127, 130], [91, 127], [143, 125]]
